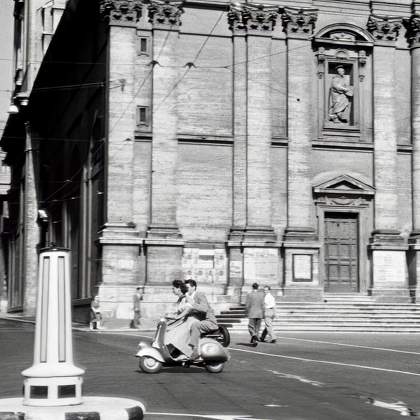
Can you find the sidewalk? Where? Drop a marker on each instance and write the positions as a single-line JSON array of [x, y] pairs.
[[108, 325]]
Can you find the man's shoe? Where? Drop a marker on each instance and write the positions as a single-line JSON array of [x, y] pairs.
[[273, 341], [254, 340], [194, 355], [261, 340]]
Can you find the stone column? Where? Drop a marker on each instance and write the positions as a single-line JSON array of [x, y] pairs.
[[300, 239], [164, 242], [119, 239], [388, 247], [413, 34]]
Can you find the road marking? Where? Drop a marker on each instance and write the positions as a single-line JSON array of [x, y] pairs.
[[399, 406], [327, 362], [296, 377], [350, 345], [208, 416]]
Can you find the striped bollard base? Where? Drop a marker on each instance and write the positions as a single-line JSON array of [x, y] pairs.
[[92, 408]]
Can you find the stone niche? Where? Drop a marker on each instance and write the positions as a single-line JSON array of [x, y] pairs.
[[343, 55]]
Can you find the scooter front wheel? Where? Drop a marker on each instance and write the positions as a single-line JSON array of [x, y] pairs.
[[149, 365], [215, 367]]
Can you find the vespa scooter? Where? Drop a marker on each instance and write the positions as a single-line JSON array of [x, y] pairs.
[[155, 355]]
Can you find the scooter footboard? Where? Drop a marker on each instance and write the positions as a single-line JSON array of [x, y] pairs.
[[212, 351]]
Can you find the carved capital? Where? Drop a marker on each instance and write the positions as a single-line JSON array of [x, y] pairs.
[[249, 17], [165, 13], [299, 22], [413, 29], [235, 18], [384, 28], [121, 12]]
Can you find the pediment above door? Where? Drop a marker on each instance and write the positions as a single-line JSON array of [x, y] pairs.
[[343, 190]]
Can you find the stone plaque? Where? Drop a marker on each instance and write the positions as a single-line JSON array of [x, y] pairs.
[[261, 265], [302, 267], [389, 267]]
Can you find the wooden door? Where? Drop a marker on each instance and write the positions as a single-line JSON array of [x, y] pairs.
[[341, 252]]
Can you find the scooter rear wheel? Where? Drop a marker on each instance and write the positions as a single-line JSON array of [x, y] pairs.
[[149, 365], [215, 367], [223, 336]]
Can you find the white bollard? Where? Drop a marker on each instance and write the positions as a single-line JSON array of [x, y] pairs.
[[53, 384], [53, 379]]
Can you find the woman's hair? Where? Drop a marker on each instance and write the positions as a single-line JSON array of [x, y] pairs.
[[177, 283]]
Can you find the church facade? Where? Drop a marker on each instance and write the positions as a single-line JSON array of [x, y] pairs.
[[229, 143]]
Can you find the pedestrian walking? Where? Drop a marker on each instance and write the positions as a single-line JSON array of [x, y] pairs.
[[269, 315], [135, 323], [95, 314], [255, 310]]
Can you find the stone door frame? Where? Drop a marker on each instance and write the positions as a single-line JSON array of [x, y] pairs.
[[345, 194]]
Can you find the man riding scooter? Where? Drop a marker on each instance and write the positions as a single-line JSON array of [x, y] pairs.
[[179, 342], [204, 317]]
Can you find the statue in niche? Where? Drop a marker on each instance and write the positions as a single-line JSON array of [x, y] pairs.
[[340, 94]]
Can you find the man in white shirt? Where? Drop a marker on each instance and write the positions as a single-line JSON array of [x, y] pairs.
[[268, 334]]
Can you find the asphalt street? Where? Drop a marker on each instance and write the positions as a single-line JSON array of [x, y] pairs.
[[302, 376]]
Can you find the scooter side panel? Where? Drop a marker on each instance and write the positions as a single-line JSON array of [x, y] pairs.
[[212, 351]]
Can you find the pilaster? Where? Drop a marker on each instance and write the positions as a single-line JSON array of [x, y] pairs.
[[252, 238], [413, 35], [301, 245], [389, 271], [164, 242], [260, 22], [240, 75], [30, 226], [119, 238], [122, 17]]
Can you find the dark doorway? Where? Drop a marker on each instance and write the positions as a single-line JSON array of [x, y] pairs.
[[341, 252]]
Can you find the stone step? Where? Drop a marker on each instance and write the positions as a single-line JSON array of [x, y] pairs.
[[345, 317], [347, 329], [343, 310], [342, 313]]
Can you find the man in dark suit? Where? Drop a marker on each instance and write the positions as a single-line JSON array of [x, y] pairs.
[[255, 310], [203, 314]]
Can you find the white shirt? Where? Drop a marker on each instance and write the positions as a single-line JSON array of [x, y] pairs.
[[269, 301]]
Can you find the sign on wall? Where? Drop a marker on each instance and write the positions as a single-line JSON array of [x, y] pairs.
[[205, 265]]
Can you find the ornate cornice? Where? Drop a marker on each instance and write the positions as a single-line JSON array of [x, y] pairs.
[[384, 28], [299, 22], [121, 12], [249, 17], [412, 25], [165, 13]]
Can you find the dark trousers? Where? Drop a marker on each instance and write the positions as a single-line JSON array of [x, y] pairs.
[[254, 325]]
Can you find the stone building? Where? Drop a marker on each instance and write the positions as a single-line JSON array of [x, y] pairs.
[[229, 142]]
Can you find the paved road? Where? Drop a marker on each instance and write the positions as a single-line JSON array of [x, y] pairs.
[[302, 376]]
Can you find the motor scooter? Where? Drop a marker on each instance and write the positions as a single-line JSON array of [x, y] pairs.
[[212, 355]]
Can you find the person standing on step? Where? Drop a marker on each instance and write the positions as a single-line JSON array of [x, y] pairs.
[[255, 308], [269, 315]]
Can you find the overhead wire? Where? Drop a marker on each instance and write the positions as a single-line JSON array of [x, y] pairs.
[[191, 65]]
